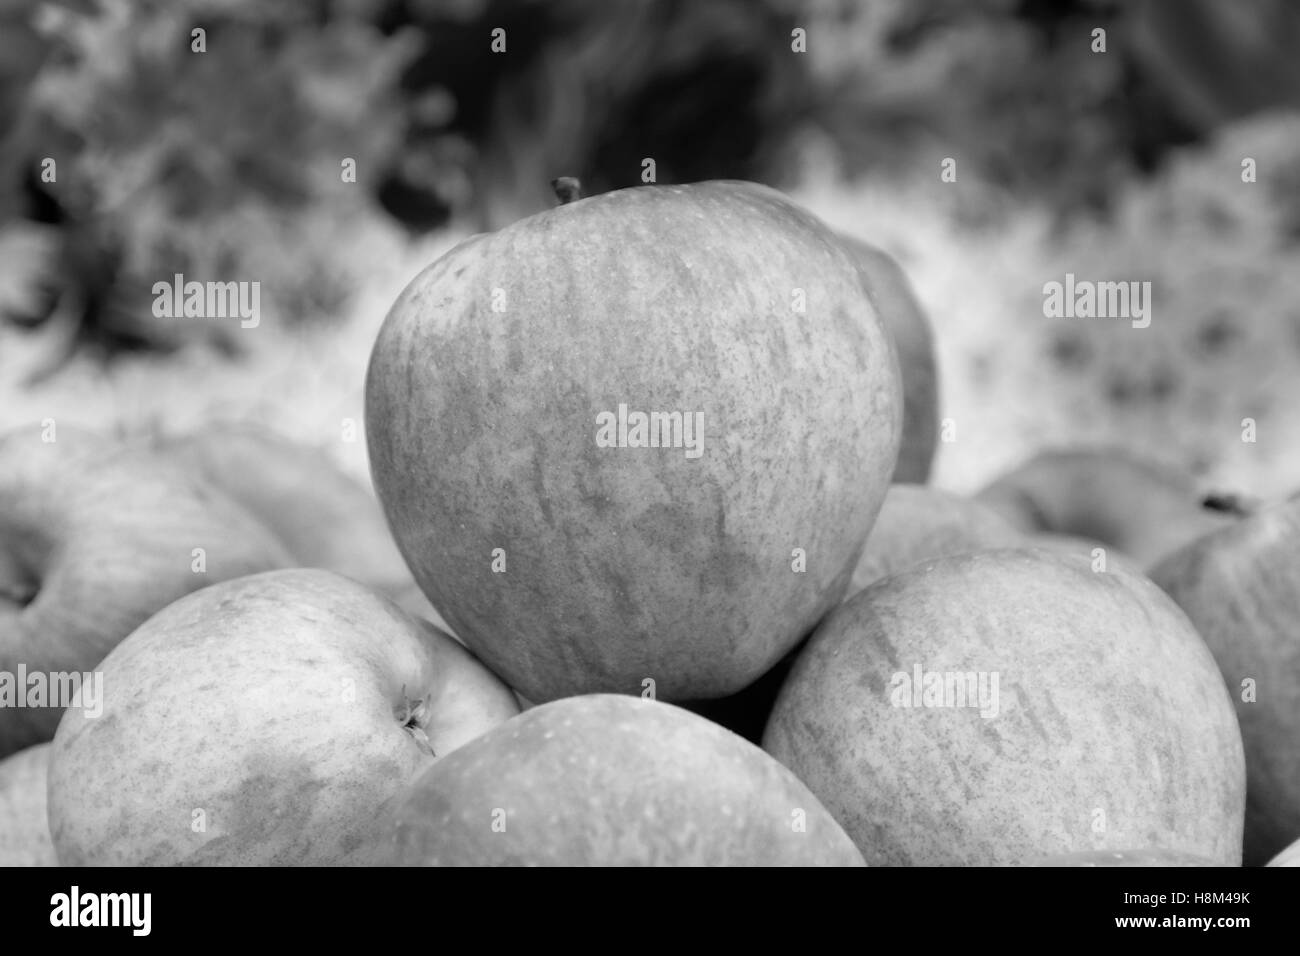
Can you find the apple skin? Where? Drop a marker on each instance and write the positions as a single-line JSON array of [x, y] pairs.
[[276, 704], [1140, 506], [1147, 857], [94, 538], [632, 563], [1107, 700], [24, 828], [610, 780], [324, 517], [909, 327], [1288, 857], [1240, 586], [919, 523]]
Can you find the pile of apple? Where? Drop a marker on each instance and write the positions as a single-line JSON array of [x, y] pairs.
[[539, 647]]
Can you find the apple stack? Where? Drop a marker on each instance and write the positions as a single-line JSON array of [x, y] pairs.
[[664, 585]]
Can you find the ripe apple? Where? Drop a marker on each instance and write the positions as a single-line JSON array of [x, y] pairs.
[[1288, 857], [324, 517], [502, 405], [24, 829], [1140, 506], [265, 720], [1147, 857], [610, 780], [909, 327], [1241, 588], [1082, 712], [919, 523], [94, 538]]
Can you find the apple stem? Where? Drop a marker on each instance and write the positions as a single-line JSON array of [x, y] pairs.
[[1230, 503], [412, 720], [567, 189]]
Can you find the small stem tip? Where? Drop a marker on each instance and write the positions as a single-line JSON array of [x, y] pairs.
[[567, 189], [1229, 503]]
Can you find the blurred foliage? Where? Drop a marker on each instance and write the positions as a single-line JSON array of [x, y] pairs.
[[711, 88], [225, 164], [707, 88], [206, 163], [1011, 89], [1217, 61], [1014, 89]]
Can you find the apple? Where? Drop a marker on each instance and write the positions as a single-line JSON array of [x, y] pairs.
[[1140, 506], [993, 707], [506, 400], [1241, 588], [94, 538], [919, 523], [1288, 857], [265, 720], [24, 829], [324, 517], [909, 327], [610, 780], [1148, 857]]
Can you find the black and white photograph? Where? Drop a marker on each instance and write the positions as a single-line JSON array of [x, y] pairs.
[[651, 433]]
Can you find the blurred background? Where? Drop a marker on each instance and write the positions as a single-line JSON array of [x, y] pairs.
[[225, 165]]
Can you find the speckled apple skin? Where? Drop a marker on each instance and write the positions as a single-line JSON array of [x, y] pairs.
[[1241, 588], [24, 827], [908, 325], [1151, 857], [631, 563], [611, 780], [108, 532], [919, 523], [1108, 701], [273, 704]]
